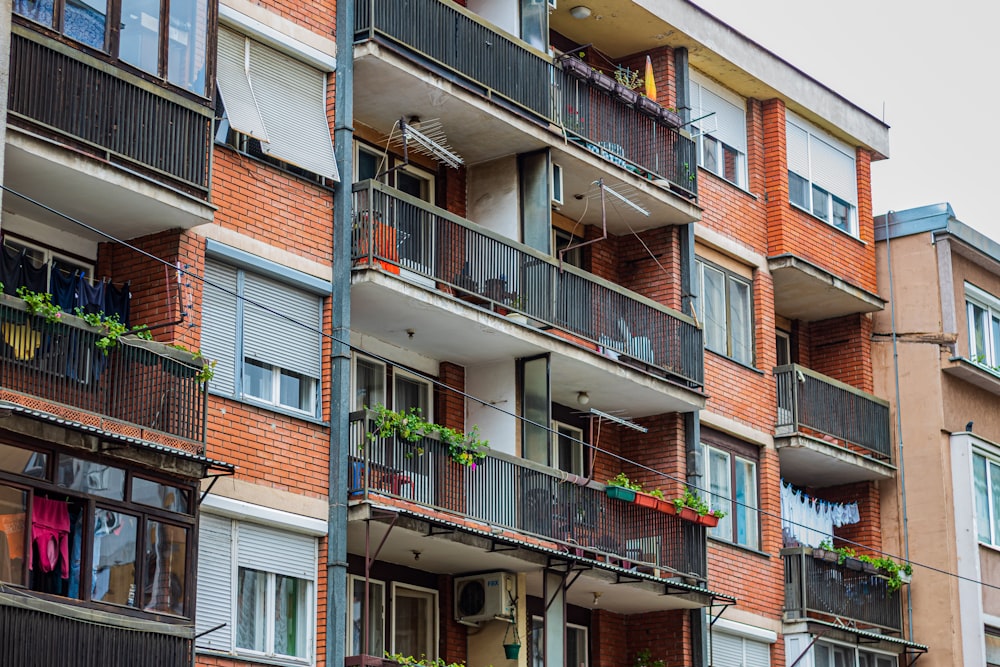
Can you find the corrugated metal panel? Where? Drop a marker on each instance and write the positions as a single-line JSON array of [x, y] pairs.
[[215, 582], [235, 86], [218, 325], [274, 340], [278, 551], [292, 102]]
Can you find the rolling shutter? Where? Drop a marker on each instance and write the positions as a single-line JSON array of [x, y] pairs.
[[266, 549], [797, 147], [728, 122], [833, 170], [218, 325], [235, 87], [215, 583], [727, 651], [274, 340]]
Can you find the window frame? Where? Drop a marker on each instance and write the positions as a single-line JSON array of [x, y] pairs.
[[976, 297], [805, 194], [536, 640], [729, 278], [427, 389], [110, 50], [350, 648], [430, 595], [578, 448], [704, 137], [382, 374], [737, 452], [852, 651], [991, 502]]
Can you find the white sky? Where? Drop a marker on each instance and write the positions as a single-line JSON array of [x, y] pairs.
[[933, 67]]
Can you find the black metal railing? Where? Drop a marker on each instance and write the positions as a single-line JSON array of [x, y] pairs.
[[137, 385], [814, 401], [133, 122], [605, 125], [35, 637], [403, 234], [509, 492], [815, 587], [442, 35]]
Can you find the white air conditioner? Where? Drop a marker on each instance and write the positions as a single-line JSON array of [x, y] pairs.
[[484, 597]]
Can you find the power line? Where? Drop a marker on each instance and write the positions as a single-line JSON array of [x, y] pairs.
[[432, 380]]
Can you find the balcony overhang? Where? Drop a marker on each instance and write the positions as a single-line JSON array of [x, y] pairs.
[[453, 545], [446, 328], [984, 378], [804, 291], [483, 128], [106, 196], [846, 633], [813, 462]]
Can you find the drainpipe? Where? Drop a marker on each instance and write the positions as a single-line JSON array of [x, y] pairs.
[[340, 354]]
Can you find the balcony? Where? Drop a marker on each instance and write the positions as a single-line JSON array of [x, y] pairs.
[[140, 389], [40, 632], [403, 236], [825, 591], [522, 505], [807, 292], [829, 433], [442, 61], [148, 149]]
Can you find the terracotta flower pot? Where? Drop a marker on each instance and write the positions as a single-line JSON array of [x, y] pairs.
[[709, 520], [645, 500]]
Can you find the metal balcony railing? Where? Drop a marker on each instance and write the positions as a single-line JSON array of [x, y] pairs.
[[401, 233], [814, 401], [129, 120], [818, 588], [509, 492], [444, 37], [137, 386]]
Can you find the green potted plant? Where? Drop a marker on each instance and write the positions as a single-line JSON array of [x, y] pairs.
[[644, 658], [464, 448], [691, 507], [621, 488]]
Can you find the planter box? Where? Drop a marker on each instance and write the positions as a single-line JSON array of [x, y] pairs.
[[670, 118], [576, 68], [645, 500], [688, 514], [602, 81], [854, 564], [620, 493], [648, 107], [868, 568], [626, 94], [709, 520], [905, 578], [665, 506], [826, 555]]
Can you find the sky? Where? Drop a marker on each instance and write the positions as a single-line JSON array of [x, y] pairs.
[[930, 70]]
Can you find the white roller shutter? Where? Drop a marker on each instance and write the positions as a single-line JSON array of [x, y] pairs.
[[266, 549], [235, 86], [215, 583], [727, 651], [218, 325], [833, 170], [292, 100], [797, 147], [274, 340], [728, 122]]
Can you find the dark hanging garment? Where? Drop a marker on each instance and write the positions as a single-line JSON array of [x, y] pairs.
[[35, 278], [10, 270], [117, 301], [90, 297], [63, 284]]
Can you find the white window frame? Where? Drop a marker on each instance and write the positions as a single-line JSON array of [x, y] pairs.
[[729, 277], [852, 652], [360, 148], [989, 356], [557, 183], [538, 641], [428, 388], [719, 636], [47, 255], [727, 529], [819, 199], [577, 433], [710, 137], [352, 580], [432, 596], [355, 358], [991, 503]]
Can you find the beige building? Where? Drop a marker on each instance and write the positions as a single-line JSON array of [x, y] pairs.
[[943, 280]]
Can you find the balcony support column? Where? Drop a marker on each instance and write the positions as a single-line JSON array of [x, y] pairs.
[[683, 89], [555, 617], [695, 478]]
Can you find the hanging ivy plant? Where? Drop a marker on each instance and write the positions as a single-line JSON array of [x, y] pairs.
[[464, 448]]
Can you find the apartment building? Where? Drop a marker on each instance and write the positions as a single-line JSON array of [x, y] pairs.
[[944, 335], [616, 238]]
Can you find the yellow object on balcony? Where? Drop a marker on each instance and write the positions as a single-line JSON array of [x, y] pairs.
[[650, 82], [24, 340]]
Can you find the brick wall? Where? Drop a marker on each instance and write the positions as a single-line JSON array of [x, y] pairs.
[[869, 530], [841, 348]]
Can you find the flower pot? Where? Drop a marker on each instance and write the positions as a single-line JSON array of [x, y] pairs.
[[825, 554], [511, 651], [665, 506], [576, 68], [645, 500], [904, 577], [620, 493], [688, 514], [648, 107], [853, 564], [868, 568], [709, 520], [626, 94], [670, 118]]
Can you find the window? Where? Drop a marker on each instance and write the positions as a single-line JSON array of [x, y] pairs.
[[822, 176], [276, 100], [577, 644], [265, 595], [731, 479], [413, 618], [376, 612], [117, 539], [262, 357], [835, 655], [986, 485], [567, 449], [409, 391], [983, 313], [40, 257], [171, 46], [720, 126], [738, 651], [369, 383], [992, 647], [726, 307]]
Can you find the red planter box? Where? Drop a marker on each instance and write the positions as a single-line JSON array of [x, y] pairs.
[[645, 500]]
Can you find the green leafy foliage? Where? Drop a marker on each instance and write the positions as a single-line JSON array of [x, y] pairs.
[[464, 448], [622, 480]]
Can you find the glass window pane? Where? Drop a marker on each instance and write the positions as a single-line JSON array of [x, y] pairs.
[[746, 503], [257, 380], [977, 333], [841, 215], [296, 391], [166, 562], [90, 477], [290, 618], [739, 321], [995, 497], [413, 623], [114, 557], [537, 655], [983, 520], [376, 618], [720, 486], [535, 408], [186, 52], [40, 11], [13, 536], [798, 190], [411, 393], [139, 36], [732, 163], [251, 614], [86, 21], [368, 165], [714, 304], [576, 647], [154, 494], [994, 357], [710, 153], [23, 461], [821, 200], [369, 383]]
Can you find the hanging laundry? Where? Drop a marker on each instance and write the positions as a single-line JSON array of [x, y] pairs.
[[63, 286], [117, 301], [22, 339], [809, 521], [89, 297], [10, 270], [34, 278]]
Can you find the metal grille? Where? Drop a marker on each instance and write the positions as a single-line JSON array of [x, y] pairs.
[[97, 107], [812, 400], [508, 492], [395, 231]]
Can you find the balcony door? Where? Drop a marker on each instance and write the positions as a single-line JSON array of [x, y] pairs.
[[415, 227]]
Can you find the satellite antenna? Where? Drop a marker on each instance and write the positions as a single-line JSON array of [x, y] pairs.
[[619, 420], [429, 140], [604, 217]]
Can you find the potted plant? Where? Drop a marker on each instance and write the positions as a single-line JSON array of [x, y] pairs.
[[670, 117], [621, 488], [692, 508], [464, 449], [644, 658], [647, 106], [662, 504], [575, 67]]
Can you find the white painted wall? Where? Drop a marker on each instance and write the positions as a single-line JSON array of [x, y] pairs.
[[492, 196], [495, 383], [57, 239], [502, 13]]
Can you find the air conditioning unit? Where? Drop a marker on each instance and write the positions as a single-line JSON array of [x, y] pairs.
[[484, 597]]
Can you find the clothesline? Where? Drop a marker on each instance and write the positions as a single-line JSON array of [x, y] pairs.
[[811, 520]]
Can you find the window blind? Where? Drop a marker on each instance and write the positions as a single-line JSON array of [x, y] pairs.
[[215, 582], [270, 550], [235, 88], [218, 325], [275, 340]]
